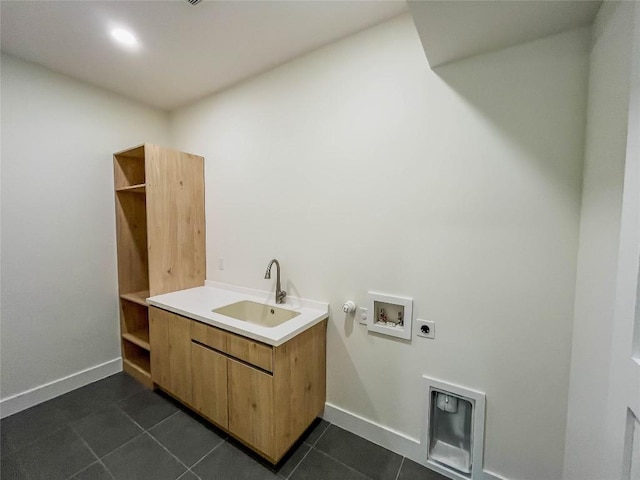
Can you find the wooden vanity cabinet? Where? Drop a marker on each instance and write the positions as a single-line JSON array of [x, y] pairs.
[[263, 396]]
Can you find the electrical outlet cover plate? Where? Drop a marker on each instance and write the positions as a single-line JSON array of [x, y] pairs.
[[363, 313], [426, 328]]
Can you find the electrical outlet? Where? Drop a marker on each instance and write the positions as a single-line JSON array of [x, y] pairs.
[[220, 263], [363, 313], [426, 328]]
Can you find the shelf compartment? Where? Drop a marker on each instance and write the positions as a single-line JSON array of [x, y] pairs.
[[141, 369], [139, 338], [140, 188], [137, 356], [138, 373], [133, 256], [134, 323], [137, 361], [136, 297], [129, 167]]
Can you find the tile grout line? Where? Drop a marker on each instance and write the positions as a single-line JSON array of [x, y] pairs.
[[165, 448], [343, 464], [321, 435], [92, 452], [70, 424], [97, 462], [82, 470], [188, 471], [150, 435], [352, 468], [143, 431], [57, 430], [400, 469], [126, 397], [168, 451], [301, 460], [125, 443], [193, 473], [205, 456], [311, 445], [152, 426], [99, 459], [108, 471]]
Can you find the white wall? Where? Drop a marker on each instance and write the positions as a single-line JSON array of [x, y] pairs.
[[59, 288], [361, 169], [605, 153]]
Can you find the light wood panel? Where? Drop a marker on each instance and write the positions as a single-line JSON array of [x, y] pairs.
[[131, 228], [251, 407], [137, 297], [137, 372], [250, 351], [129, 167], [299, 385], [210, 336], [170, 342], [267, 412], [140, 188], [134, 317], [139, 338], [175, 219], [136, 362], [209, 370], [166, 186]]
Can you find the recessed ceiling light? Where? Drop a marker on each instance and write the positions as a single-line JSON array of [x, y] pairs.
[[124, 37]]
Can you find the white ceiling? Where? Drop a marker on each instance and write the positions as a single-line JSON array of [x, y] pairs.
[[186, 51], [452, 30]]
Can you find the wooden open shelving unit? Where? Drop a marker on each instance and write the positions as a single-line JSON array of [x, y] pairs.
[[159, 198]]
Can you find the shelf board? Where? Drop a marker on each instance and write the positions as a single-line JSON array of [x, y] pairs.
[[140, 188], [137, 372], [139, 337], [136, 152], [136, 297]]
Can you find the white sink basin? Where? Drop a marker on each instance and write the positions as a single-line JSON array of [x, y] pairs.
[[256, 313], [230, 308]]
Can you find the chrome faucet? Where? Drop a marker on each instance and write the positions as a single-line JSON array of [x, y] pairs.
[[280, 294]]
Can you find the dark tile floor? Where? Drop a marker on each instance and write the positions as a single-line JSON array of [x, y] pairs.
[[116, 429]]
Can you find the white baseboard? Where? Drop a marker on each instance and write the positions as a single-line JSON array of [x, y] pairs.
[[374, 432], [384, 436], [21, 401]]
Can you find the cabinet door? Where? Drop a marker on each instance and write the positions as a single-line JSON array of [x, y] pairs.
[[251, 406], [170, 343], [209, 371]]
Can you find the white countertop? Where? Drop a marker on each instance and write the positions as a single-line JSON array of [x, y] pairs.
[[198, 303]]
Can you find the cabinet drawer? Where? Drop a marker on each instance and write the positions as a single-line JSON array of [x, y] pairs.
[[250, 351], [209, 336]]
